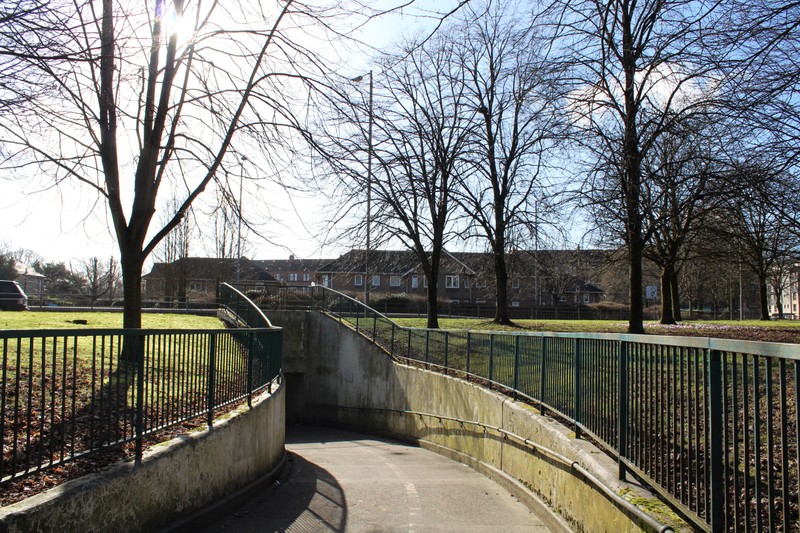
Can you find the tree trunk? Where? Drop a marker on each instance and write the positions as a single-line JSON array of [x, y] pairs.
[[636, 316], [433, 304], [762, 297], [501, 277], [131, 263], [666, 295], [676, 297]]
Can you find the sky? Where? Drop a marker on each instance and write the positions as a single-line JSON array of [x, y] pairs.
[[68, 224]]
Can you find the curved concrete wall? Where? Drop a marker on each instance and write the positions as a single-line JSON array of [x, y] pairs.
[[173, 479], [349, 381]]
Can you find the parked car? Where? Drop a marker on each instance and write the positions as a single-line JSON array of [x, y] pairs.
[[12, 297]]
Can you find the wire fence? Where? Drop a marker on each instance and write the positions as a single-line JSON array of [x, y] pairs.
[[710, 424], [66, 393]]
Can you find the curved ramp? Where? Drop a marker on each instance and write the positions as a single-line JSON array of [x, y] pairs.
[[345, 481]]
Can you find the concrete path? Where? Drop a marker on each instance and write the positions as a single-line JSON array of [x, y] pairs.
[[344, 481]]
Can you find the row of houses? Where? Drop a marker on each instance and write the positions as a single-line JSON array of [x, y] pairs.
[[536, 278]]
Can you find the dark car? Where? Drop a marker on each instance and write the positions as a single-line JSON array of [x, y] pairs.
[[12, 297]]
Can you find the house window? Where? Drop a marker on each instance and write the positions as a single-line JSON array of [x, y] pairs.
[[515, 303], [451, 282], [414, 282], [358, 280], [306, 276], [293, 276], [586, 298], [515, 283], [563, 298], [481, 284], [326, 281], [376, 281], [394, 281], [466, 283]]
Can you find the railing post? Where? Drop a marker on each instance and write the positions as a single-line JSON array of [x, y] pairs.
[[391, 349], [139, 399], [491, 358], [427, 345], [542, 374], [578, 381], [212, 355], [716, 438], [446, 348], [516, 365], [469, 348], [622, 409], [250, 369]]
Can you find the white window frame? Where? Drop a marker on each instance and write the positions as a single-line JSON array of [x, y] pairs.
[[394, 281], [293, 276], [515, 303], [306, 276], [376, 280], [358, 280], [452, 281], [586, 298], [414, 282]]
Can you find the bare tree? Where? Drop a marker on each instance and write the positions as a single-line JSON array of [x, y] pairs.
[[759, 234], [101, 278], [683, 186], [638, 67], [423, 135], [135, 95], [509, 84]]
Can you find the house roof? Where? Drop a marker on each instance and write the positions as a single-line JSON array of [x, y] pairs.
[[291, 265], [209, 268]]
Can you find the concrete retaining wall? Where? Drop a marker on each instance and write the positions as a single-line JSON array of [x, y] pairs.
[[350, 381], [172, 481]]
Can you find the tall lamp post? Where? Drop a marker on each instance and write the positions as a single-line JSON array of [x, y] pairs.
[[358, 79], [239, 231]]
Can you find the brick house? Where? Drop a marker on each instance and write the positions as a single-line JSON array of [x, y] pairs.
[[197, 279]]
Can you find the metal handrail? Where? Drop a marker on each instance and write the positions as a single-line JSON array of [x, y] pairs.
[[710, 424]]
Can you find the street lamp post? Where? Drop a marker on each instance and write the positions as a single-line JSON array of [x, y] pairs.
[[369, 186], [239, 231]]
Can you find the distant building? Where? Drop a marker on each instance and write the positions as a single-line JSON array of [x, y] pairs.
[[31, 281], [197, 279], [292, 271]]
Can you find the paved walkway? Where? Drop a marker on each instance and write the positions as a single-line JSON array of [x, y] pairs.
[[344, 481]]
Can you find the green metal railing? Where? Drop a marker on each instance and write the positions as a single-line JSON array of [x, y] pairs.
[[710, 424], [69, 393]]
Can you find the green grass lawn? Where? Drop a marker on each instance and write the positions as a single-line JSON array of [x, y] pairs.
[[772, 331], [101, 320]]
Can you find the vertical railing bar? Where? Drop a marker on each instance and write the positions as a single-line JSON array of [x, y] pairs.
[[716, 443], [140, 376], [784, 446], [757, 444], [542, 374], [446, 350], [622, 415], [3, 401], [578, 387], [516, 365], [735, 426], [725, 439], [770, 452], [212, 355], [469, 348], [250, 356], [746, 442], [491, 358]]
